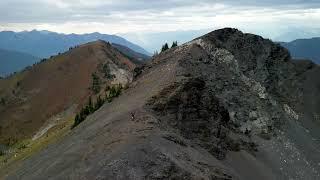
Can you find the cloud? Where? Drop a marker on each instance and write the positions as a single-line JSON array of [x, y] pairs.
[[53, 11], [124, 16]]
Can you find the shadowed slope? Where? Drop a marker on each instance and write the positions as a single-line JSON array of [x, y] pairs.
[[304, 49], [13, 61]]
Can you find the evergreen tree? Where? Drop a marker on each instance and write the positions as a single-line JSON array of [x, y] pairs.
[[90, 108], [165, 47], [174, 44], [99, 102], [86, 111], [82, 113], [77, 119], [90, 105]]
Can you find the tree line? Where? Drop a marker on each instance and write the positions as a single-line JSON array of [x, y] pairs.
[[91, 107], [166, 46]]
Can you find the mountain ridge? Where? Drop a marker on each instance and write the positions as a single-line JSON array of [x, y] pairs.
[[49, 43], [130, 53], [13, 61], [304, 48]]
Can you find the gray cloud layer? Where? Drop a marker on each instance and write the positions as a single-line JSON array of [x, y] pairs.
[[53, 11], [267, 17]]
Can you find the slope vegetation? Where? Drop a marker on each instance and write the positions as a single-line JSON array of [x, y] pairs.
[[37, 98]]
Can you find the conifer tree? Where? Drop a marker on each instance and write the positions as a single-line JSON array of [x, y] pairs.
[[174, 44], [90, 105], [99, 103], [165, 47]]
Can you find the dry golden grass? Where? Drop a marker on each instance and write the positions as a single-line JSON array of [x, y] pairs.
[[26, 148]]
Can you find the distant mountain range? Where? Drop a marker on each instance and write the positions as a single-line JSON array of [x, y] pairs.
[[304, 49], [12, 61], [291, 34], [21, 49], [132, 55], [45, 43]]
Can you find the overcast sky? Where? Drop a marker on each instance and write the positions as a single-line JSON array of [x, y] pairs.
[[268, 18]]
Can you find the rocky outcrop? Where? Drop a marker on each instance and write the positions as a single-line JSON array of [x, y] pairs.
[[235, 89]]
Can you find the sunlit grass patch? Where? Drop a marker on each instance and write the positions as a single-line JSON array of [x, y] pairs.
[[24, 149]]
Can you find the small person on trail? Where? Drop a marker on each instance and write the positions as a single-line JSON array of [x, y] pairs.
[[132, 116]]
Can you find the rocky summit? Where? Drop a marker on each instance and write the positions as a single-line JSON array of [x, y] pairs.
[[226, 105]]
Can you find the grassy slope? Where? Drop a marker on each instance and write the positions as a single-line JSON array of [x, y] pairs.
[[25, 148], [35, 95]]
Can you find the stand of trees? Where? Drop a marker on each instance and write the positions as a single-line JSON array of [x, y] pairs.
[[166, 46], [174, 44], [91, 107]]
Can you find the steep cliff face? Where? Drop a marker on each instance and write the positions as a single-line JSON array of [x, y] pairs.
[[227, 105]]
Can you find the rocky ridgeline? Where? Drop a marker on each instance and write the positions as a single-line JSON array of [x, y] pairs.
[[221, 90], [232, 89]]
